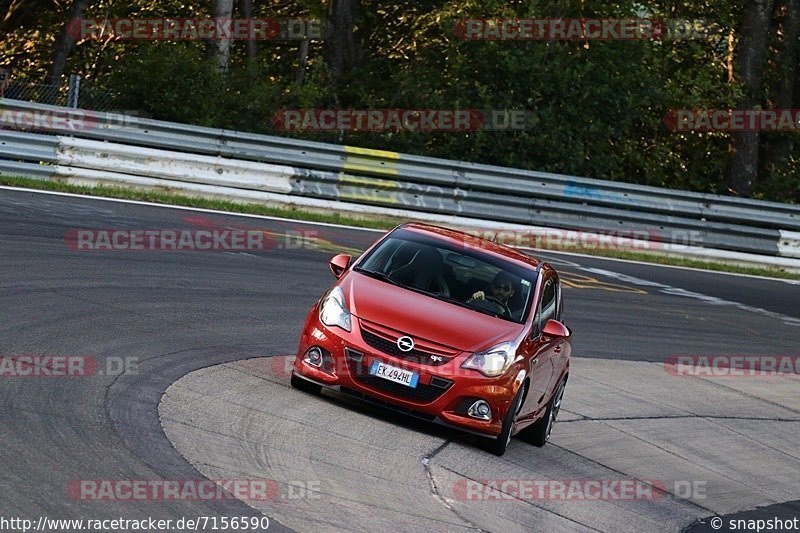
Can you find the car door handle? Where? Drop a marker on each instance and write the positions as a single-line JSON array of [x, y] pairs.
[[535, 361], [557, 349]]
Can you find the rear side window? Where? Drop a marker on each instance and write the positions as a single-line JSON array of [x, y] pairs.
[[549, 307], [559, 302]]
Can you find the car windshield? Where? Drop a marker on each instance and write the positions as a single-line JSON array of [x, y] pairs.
[[454, 273]]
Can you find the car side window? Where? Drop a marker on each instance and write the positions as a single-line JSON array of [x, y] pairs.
[[559, 302], [548, 308]]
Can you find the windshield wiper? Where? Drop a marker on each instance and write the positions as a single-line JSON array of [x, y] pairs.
[[446, 298], [378, 275], [485, 312]]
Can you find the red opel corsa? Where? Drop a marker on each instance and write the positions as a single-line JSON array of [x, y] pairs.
[[446, 327]]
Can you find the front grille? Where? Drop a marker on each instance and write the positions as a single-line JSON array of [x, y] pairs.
[[389, 347], [387, 405], [422, 393]]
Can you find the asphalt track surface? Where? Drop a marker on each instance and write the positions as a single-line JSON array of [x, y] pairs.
[[195, 321]]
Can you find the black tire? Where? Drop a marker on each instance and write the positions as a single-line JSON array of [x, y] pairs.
[[499, 445], [305, 385], [538, 433]]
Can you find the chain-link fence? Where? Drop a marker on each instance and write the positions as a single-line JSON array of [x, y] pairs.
[[89, 96], [71, 92], [36, 92]]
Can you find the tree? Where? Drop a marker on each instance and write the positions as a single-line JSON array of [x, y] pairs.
[[777, 149], [750, 62], [246, 6], [66, 42], [221, 47], [594, 108], [344, 52]]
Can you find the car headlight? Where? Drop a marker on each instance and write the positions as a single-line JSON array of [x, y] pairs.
[[334, 311], [493, 361]]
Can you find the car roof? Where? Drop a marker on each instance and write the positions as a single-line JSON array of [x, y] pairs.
[[472, 241]]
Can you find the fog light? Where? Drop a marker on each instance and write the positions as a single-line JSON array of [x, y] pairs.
[[313, 356], [480, 410]]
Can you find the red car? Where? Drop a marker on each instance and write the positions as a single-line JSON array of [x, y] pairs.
[[446, 327]]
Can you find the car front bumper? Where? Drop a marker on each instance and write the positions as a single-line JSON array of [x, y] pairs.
[[443, 392]]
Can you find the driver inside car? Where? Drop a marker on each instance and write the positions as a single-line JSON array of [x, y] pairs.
[[503, 288]]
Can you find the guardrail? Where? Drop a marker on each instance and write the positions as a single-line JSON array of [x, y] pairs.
[[109, 148]]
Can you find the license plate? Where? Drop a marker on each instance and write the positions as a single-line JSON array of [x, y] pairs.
[[392, 373]]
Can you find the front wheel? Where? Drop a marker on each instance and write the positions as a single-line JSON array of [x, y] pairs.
[[500, 444], [539, 432]]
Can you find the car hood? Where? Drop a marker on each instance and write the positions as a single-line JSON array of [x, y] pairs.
[[423, 316]]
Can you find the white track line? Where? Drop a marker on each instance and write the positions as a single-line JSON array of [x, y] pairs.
[[344, 226]]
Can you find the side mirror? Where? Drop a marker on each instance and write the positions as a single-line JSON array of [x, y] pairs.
[[339, 264], [556, 330]]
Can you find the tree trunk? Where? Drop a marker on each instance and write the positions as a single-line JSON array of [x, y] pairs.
[[775, 151], [343, 51], [246, 6], [221, 47], [65, 44], [300, 75], [751, 59]]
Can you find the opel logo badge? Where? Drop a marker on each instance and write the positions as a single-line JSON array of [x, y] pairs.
[[405, 343]]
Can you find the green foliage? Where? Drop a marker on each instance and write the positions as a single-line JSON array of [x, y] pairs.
[[595, 108], [174, 81], [170, 81]]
